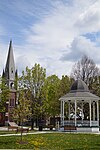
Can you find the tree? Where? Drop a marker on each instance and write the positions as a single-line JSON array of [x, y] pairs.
[[32, 80], [86, 70], [96, 86], [23, 110], [4, 94], [51, 103], [64, 88], [65, 85]]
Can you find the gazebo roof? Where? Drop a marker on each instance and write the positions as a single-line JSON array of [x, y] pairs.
[[79, 91], [79, 86]]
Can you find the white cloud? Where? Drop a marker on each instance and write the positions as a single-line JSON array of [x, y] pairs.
[[58, 32], [63, 24], [89, 20], [22, 62], [82, 46]]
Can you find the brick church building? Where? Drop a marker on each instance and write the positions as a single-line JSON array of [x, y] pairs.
[[9, 74]]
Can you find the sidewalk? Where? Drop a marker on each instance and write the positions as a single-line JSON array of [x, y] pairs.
[[3, 128], [18, 134], [40, 132]]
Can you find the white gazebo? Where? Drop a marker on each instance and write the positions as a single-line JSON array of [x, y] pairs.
[[82, 101]]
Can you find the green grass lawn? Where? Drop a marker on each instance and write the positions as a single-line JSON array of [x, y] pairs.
[[7, 132], [53, 141]]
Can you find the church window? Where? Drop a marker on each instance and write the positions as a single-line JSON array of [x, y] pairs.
[[12, 85], [12, 103], [11, 70]]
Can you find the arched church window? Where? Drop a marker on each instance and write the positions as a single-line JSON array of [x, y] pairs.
[[12, 103], [12, 85], [11, 70]]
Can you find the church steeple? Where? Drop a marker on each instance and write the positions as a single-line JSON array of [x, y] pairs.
[[10, 65], [3, 74], [9, 75]]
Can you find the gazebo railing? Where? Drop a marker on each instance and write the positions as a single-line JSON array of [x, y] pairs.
[[95, 123], [80, 123]]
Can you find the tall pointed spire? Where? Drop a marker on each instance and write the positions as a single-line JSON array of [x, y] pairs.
[[10, 64], [9, 78], [3, 74]]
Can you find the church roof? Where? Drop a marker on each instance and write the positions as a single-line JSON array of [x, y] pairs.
[[79, 91], [10, 64]]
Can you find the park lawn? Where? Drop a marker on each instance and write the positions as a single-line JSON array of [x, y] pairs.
[[7, 132], [53, 141]]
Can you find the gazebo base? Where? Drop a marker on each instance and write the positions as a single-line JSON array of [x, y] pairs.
[[87, 129], [81, 129]]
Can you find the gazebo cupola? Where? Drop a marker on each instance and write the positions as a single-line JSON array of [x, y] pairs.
[[85, 106], [79, 86]]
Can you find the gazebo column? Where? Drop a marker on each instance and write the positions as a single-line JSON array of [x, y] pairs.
[[63, 113], [75, 111], [90, 111], [93, 111], [82, 110], [98, 112], [69, 109]]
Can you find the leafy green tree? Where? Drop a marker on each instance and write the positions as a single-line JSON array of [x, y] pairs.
[[95, 86], [51, 104], [64, 88], [4, 94], [65, 85], [33, 80], [22, 111]]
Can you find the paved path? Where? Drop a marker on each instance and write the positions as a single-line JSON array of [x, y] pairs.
[[17, 134], [3, 128], [38, 132]]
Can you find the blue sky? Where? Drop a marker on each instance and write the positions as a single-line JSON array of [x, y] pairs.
[[54, 33]]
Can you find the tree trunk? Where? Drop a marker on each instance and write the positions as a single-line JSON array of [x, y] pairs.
[[54, 121], [32, 120], [32, 123], [21, 132]]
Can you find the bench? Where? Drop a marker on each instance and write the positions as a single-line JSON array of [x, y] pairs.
[[22, 129], [49, 126], [14, 126], [70, 128]]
